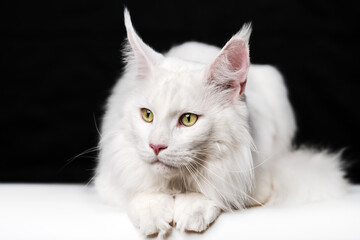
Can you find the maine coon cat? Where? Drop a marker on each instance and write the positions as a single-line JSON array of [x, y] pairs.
[[199, 130]]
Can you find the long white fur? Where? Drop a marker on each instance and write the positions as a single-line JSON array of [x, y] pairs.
[[238, 154]]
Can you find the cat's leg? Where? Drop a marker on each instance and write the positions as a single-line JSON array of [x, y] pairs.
[[152, 212], [194, 212], [263, 188]]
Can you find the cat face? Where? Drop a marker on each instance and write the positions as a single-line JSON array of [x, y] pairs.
[[171, 120], [179, 107]]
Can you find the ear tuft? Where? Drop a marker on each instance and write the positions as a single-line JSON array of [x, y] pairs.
[[137, 52], [127, 19], [244, 32]]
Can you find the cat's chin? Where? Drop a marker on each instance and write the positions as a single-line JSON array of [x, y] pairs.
[[163, 168]]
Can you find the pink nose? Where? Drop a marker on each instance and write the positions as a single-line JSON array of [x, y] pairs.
[[157, 148]]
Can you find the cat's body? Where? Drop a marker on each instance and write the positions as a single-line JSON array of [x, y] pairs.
[[237, 153]]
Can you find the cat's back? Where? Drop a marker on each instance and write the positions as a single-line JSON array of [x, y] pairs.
[[194, 52]]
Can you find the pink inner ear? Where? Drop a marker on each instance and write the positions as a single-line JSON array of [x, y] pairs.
[[238, 57], [230, 68]]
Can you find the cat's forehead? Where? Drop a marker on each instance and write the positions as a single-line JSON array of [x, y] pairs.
[[174, 90], [180, 77], [177, 73]]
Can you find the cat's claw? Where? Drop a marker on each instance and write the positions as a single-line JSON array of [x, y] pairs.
[[194, 212], [152, 213]]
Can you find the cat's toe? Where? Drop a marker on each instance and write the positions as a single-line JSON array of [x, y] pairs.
[[194, 212], [152, 213], [151, 228]]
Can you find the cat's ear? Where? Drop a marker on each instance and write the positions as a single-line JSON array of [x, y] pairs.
[[228, 72], [137, 52]]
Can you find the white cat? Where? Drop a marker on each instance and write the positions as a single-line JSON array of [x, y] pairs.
[[182, 140]]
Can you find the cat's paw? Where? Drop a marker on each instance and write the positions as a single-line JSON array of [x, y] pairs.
[[194, 212], [152, 213]]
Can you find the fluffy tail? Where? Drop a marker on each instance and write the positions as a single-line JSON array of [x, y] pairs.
[[307, 175]]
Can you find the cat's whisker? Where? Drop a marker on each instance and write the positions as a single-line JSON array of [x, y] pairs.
[[70, 160], [90, 181], [227, 170], [228, 193], [223, 180], [96, 126], [192, 174], [209, 183], [202, 165], [218, 147], [212, 186], [205, 151]]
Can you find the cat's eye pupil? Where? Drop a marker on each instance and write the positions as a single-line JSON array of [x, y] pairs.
[[147, 113], [188, 117]]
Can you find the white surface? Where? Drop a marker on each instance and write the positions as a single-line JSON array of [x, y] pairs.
[[74, 212]]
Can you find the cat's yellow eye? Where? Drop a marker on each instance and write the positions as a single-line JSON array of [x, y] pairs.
[[188, 119], [147, 115]]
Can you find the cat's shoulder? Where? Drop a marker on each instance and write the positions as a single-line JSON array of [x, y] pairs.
[[265, 78]]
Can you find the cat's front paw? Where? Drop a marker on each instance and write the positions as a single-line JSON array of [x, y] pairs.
[[152, 213], [194, 212]]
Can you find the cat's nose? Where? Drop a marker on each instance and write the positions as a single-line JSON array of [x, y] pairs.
[[157, 148]]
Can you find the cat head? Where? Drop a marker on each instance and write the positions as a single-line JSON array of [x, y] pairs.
[[185, 112]]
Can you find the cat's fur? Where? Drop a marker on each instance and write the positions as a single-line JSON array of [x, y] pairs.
[[238, 154]]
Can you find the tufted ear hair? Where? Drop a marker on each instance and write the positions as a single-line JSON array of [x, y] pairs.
[[228, 72], [137, 52]]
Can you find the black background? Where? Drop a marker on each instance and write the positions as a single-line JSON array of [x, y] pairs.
[[59, 60]]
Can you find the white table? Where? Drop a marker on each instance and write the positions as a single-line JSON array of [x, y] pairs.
[[66, 212]]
